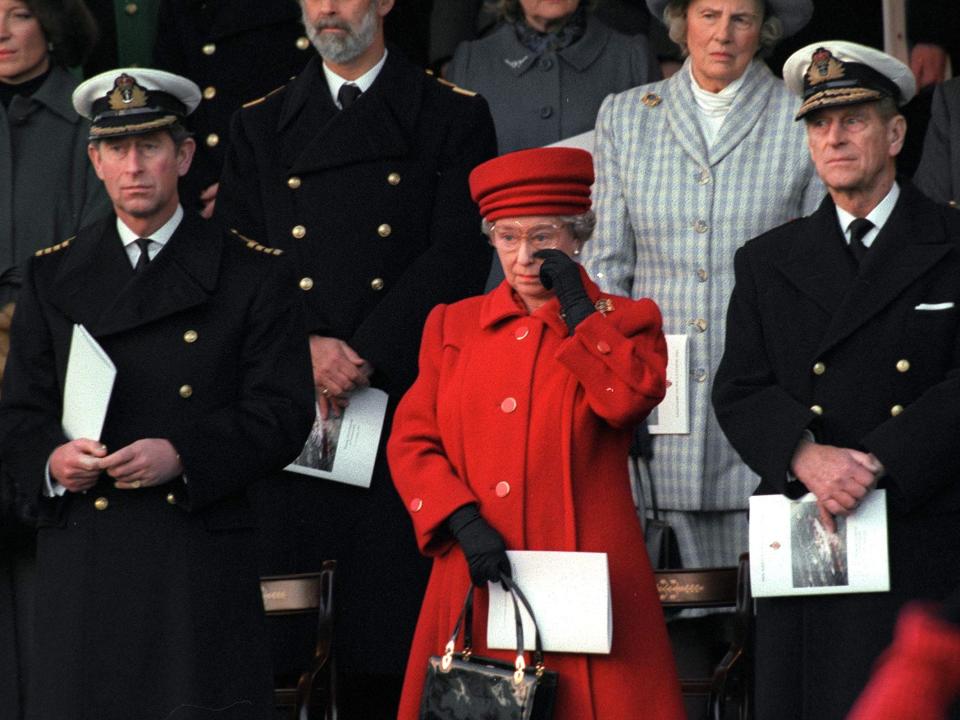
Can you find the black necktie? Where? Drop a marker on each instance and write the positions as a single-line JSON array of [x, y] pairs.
[[144, 259], [858, 229], [347, 95]]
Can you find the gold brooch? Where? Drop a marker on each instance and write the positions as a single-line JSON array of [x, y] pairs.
[[604, 306], [651, 99]]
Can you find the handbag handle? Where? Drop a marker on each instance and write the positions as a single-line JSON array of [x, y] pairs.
[[465, 621]]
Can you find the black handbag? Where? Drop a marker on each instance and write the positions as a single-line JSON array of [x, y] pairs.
[[658, 535], [460, 686]]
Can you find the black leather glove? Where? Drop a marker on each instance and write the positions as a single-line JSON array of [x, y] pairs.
[[483, 546], [561, 274]]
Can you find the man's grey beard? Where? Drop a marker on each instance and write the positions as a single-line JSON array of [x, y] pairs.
[[340, 49]]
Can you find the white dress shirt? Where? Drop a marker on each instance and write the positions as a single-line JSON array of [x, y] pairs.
[[363, 82], [159, 237], [878, 216]]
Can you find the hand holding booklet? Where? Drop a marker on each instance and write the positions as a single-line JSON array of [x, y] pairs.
[[792, 554], [570, 595], [87, 388]]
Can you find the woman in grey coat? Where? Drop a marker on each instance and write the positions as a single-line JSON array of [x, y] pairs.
[[545, 70], [688, 170], [47, 192]]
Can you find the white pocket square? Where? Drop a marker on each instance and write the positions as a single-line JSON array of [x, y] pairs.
[[934, 306]]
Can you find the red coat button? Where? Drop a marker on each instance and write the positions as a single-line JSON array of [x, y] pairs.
[[416, 504], [521, 332], [502, 489], [508, 405], [603, 347]]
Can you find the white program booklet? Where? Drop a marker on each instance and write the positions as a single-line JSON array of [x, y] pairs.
[[672, 415], [87, 388], [792, 554], [570, 595], [344, 449]]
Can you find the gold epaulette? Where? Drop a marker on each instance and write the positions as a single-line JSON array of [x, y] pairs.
[[254, 245], [261, 99], [55, 248], [456, 88]]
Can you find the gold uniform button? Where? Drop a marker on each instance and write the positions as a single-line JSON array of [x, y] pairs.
[[384, 230], [190, 336], [502, 489], [816, 409], [508, 405], [416, 505], [209, 49], [186, 391], [293, 182], [171, 499], [213, 140], [393, 178], [306, 283], [952, 203], [896, 410], [131, 9], [376, 284], [303, 42], [903, 365], [298, 231], [209, 92], [819, 368], [101, 503]]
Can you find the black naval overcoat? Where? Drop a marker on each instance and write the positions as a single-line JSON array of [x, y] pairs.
[[869, 361], [235, 50], [372, 204], [148, 602]]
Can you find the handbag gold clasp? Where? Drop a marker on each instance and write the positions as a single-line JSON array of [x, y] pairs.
[[447, 660], [520, 666]]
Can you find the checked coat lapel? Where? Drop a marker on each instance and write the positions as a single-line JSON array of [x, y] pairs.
[[181, 276], [746, 110]]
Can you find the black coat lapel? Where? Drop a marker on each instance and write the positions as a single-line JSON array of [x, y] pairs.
[[97, 287], [911, 242], [316, 136], [819, 264]]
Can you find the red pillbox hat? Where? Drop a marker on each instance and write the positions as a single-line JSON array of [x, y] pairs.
[[540, 181]]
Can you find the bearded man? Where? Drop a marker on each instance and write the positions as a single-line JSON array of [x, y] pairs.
[[358, 170]]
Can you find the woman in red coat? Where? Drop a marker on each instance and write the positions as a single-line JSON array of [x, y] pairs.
[[516, 431]]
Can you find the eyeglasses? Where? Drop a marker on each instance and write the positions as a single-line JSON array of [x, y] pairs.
[[543, 236]]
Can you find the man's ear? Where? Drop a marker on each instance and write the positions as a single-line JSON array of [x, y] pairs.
[[185, 155], [93, 152], [384, 6], [896, 134]]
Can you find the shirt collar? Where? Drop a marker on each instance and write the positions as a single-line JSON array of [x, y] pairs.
[[160, 236], [878, 216], [363, 82]]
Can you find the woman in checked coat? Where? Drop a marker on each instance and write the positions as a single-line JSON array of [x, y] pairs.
[[515, 436], [689, 169]]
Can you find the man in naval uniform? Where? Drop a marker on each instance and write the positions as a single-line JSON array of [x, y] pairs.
[[148, 595], [841, 374], [358, 170]]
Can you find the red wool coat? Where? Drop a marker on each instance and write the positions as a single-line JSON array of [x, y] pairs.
[[533, 425]]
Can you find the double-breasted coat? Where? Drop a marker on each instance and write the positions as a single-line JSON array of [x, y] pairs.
[[870, 361], [671, 211], [236, 51], [372, 204], [148, 603], [938, 174], [513, 413], [540, 98]]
